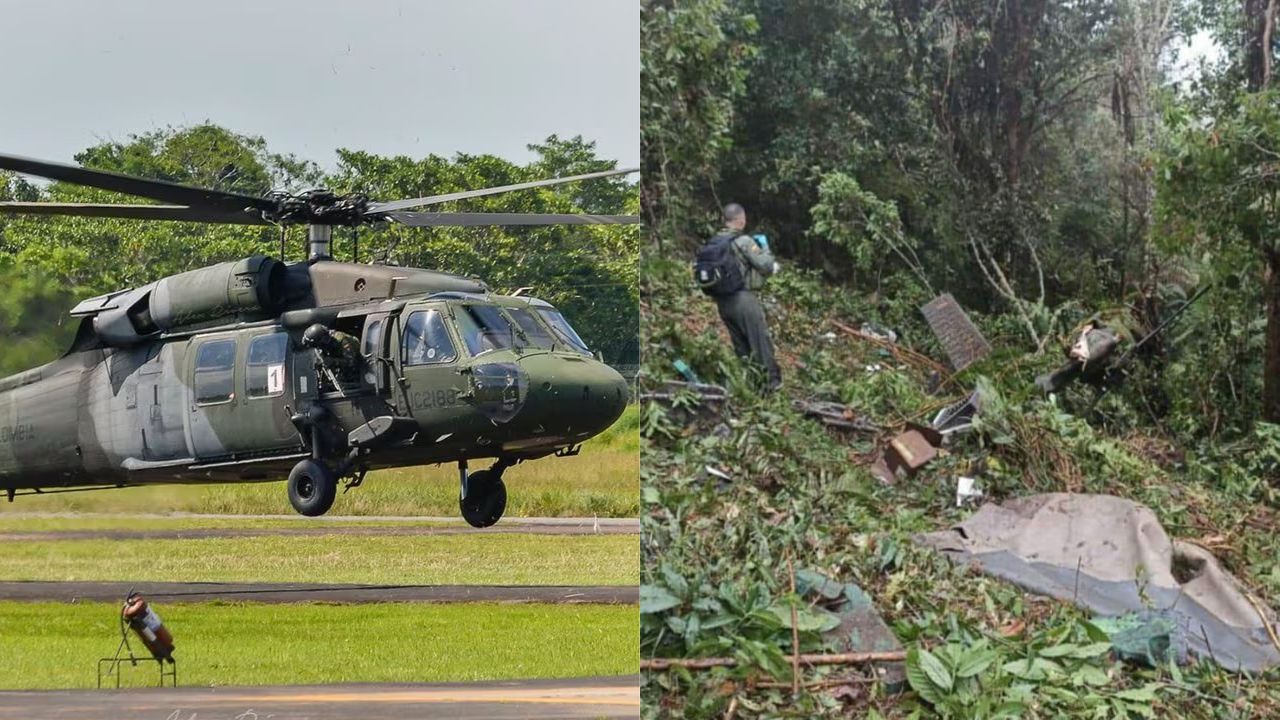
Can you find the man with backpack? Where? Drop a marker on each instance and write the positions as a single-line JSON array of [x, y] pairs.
[[730, 267]]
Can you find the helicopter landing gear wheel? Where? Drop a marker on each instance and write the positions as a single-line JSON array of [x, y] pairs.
[[484, 500], [312, 488]]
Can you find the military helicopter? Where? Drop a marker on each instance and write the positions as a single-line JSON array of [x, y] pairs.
[[231, 372]]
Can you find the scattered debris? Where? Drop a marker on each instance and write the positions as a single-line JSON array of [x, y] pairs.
[[861, 629], [685, 371], [960, 338], [836, 415], [689, 401], [907, 452], [1112, 556], [879, 332], [959, 417], [903, 354], [966, 490], [1087, 358], [717, 473], [913, 449]]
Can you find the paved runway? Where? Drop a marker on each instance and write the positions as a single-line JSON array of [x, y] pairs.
[[38, 590], [608, 697]]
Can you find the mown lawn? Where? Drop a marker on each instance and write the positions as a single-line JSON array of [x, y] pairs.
[[514, 559], [602, 481], [53, 645]]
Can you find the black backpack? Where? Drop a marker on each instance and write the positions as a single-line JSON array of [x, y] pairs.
[[716, 269]]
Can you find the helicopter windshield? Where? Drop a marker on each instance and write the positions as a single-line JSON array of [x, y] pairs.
[[535, 333], [562, 328], [483, 328]]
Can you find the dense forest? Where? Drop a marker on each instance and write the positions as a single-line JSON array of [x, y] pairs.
[[49, 263], [1041, 161], [1045, 163]]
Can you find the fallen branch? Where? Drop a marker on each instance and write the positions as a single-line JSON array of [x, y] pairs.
[[856, 658], [905, 354], [795, 632]]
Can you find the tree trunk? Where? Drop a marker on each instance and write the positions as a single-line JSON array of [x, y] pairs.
[[1271, 364]]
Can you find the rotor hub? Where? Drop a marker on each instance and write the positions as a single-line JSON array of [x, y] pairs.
[[319, 207]]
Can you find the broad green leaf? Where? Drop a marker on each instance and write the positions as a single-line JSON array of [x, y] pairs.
[[655, 599], [936, 670]]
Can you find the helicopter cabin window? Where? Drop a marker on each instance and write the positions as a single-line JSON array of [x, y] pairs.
[[426, 339], [372, 337], [534, 332], [215, 372], [563, 329], [264, 376], [483, 328]]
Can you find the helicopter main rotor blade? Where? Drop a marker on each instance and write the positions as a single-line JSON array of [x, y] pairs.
[[132, 212], [422, 219], [386, 207], [161, 190]]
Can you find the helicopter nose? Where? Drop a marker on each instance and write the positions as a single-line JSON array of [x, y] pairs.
[[575, 396]]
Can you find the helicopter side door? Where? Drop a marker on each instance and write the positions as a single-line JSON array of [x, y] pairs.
[[262, 408], [428, 358]]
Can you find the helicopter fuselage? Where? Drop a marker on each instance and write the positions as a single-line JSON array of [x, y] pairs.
[[445, 376]]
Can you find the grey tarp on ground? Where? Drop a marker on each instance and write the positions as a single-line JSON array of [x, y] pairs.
[[1106, 553]]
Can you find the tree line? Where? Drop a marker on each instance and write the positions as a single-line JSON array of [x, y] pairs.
[[48, 263]]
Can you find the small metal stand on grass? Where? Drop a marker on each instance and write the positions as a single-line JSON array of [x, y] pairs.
[[113, 663]]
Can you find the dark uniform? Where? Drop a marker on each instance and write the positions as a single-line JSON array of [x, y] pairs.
[[742, 313]]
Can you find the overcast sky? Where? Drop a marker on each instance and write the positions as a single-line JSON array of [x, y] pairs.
[[407, 77]]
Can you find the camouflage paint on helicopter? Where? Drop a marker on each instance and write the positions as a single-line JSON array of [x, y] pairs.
[[203, 376]]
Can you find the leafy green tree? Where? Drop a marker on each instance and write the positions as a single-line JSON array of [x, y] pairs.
[[1220, 191], [587, 271], [693, 70]]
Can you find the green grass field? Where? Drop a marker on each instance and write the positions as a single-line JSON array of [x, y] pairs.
[[515, 559], [602, 481], [51, 645]]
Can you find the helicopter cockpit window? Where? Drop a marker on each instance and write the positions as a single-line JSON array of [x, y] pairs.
[[563, 329], [426, 340], [215, 371], [483, 328], [534, 332], [264, 371]]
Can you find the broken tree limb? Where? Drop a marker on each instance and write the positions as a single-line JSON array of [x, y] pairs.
[[905, 354], [854, 658]]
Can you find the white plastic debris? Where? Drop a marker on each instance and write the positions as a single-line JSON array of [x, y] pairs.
[[966, 490], [716, 472]]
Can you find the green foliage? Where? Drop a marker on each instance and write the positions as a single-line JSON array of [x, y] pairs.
[[1058, 674], [588, 272], [714, 553], [1218, 184], [866, 226], [692, 71]]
